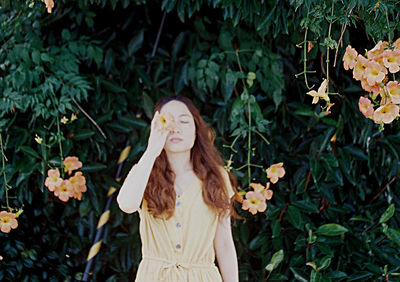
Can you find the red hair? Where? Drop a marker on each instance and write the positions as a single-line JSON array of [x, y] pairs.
[[207, 163]]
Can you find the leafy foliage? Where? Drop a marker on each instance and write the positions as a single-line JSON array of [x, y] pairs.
[[332, 216]]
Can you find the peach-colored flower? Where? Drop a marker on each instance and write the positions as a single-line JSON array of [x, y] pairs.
[[64, 191], [167, 121], [376, 52], [364, 104], [78, 183], [268, 193], [374, 73], [391, 60], [396, 44], [257, 187], [262, 190], [374, 88], [255, 202], [349, 58], [359, 68], [328, 109], [53, 179], [7, 221], [393, 89], [71, 163], [386, 113], [49, 5], [320, 94], [275, 171]]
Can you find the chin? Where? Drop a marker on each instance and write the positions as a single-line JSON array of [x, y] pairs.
[[177, 148]]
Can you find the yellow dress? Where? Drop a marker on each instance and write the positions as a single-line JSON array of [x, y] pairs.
[[180, 248]]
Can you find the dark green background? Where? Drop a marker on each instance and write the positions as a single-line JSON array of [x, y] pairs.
[[328, 212]]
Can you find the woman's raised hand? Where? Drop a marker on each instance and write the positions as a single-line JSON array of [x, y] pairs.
[[158, 135]]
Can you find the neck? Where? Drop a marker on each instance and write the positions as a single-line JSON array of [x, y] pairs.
[[180, 162]]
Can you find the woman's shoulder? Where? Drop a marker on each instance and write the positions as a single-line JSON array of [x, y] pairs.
[[227, 181]]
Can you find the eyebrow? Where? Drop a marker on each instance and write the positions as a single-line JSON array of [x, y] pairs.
[[184, 115]]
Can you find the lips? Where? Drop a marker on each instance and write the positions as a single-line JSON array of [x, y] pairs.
[[175, 139]]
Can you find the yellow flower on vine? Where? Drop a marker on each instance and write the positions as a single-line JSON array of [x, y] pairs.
[[64, 120], [320, 94], [38, 139], [73, 117]]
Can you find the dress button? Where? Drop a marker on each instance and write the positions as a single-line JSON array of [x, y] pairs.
[[178, 225], [178, 246], [178, 204]]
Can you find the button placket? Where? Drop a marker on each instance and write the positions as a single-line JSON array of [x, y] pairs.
[[178, 224]]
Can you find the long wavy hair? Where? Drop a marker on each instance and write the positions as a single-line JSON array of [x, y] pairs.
[[207, 162]]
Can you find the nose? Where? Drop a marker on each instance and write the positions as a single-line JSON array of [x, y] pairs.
[[176, 129]]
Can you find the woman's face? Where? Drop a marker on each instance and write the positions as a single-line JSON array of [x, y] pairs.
[[183, 137]]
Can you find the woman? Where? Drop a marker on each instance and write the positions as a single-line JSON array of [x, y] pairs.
[[184, 193]]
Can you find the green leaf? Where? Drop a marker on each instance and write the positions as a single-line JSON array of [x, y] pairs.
[[330, 160], [93, 167], [135, 43], [387, 214], [113, 87], [257, 242], [177, 45], [277, 97], [306, 206], [315, 276], [83, 134], [66, 35], [134, 121], [393, 235], [297, 273], [325, 262], [336, 274], [84, 207], [355, 152], [312, 264], [28, 150], [267, 19], [331, 229], [237, 108], [276, 228], [36, 57], [305, 112], [360, 276], [276, 259], [294, 217], [228, 84], [148, 105]]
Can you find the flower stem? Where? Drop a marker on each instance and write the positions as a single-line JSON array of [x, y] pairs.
[[60, 146], [4, 171], [388, 23], [327, 49], [249, 141], [305, 58], [249, 122]]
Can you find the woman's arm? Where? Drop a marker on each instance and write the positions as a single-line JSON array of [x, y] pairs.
[[225, 251], [131, 193]]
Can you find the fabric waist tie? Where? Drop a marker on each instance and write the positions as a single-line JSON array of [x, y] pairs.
[[171, 266]]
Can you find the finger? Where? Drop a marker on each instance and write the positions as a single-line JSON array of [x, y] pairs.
[[154, 118]]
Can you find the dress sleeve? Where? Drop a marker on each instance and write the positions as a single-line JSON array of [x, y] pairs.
[[227, 182]]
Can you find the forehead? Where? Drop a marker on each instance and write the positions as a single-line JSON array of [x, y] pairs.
[[176, 108]]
